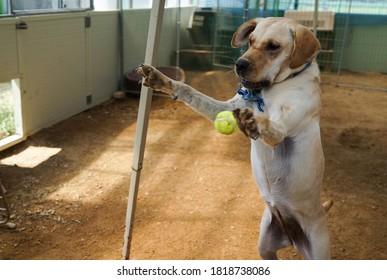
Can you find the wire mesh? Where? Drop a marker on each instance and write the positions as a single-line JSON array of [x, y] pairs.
[[352, 33]]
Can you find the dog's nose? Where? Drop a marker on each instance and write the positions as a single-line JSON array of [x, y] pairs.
[[241, 66]]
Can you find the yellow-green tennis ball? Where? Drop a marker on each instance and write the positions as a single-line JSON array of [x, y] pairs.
[[225, 123]]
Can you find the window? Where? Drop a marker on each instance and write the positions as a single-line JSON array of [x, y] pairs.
[[338, 6], [10, 7], [4, 7], [147, 4]]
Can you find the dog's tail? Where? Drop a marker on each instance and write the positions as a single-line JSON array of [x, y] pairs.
[[327, 205]]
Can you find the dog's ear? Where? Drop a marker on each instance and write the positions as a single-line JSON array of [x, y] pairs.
[[241, 36], [306, 46]]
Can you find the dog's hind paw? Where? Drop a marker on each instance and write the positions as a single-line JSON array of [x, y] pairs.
[[327, 205]]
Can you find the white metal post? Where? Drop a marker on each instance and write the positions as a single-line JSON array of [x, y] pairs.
[[155, 22], [315, 17]]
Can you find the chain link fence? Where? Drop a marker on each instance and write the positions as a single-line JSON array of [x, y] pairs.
[[352, 35]]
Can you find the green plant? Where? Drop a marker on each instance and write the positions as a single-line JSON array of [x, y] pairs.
[[7, 121]]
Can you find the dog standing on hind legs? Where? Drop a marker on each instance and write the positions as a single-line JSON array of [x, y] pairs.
[[278, 107]]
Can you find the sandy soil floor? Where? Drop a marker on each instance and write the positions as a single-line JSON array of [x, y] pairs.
[[197, 198]]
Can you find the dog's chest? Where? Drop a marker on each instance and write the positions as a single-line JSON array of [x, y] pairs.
[[272, 167], [275, 105]]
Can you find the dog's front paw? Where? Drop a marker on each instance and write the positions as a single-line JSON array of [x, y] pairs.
[[247, 123], [154, 79]]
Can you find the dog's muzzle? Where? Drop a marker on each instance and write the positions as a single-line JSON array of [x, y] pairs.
[[241, 68]]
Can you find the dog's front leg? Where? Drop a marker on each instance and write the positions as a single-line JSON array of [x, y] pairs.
[[202, 103], [258, 127]]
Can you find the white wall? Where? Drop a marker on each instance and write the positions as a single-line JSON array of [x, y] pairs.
[[104, 55], [53, 65], [9, 63], [60, 62]]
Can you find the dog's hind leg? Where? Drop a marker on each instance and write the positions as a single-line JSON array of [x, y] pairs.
[[272, 237], [317, 245], [319, 240]]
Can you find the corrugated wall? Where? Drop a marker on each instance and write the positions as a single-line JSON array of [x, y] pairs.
[[53, 58], [64, 67], [104, 55], [9, 66]]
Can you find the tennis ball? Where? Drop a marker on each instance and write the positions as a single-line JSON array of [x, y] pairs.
[[225, 123]]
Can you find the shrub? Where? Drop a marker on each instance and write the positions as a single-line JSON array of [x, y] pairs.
[[7, 121]]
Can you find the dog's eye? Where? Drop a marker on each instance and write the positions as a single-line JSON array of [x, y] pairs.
[[272, 46]]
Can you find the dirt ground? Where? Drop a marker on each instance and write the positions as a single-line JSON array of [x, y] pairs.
[[197, 198]]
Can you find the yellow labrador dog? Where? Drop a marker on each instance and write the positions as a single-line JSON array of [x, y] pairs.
[[278, 107]]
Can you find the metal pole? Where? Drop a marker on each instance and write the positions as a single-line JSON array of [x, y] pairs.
[[343, 45], [276, 5], [245, 18], [155, 22], [121, 43], [315, 18], [256, 12], [178, 27]]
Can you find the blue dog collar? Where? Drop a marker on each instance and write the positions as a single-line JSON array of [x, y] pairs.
[[252, 95]]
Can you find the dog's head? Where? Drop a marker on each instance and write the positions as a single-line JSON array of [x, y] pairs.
[[278, 47]]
